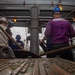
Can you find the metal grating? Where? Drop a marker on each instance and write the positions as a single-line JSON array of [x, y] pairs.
[[40, 66]]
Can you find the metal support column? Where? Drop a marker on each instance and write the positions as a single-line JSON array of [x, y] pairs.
[[34, 30]]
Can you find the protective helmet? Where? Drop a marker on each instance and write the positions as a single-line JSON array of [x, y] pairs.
[[3, 19], [57, 10], [18, 37]]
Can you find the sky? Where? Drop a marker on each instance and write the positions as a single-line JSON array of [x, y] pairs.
[[21, 31]]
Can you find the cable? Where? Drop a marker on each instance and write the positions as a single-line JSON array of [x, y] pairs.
[[69, 13]]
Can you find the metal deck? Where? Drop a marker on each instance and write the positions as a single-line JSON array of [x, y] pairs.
[[39, 66]]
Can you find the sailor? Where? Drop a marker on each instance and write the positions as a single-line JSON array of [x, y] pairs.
[[5, 50], [18, 40], [59, 31]]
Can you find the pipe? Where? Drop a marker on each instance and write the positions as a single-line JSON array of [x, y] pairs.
[[34, 30], [61, 49]]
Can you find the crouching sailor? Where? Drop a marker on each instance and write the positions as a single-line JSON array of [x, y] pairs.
[[5, 50]]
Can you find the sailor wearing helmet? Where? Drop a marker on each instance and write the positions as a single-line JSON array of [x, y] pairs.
[[59, 31], [3, 37], [5, 50]]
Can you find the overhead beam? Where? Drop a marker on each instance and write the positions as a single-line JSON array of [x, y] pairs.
[[38, 2], [27, 7]]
